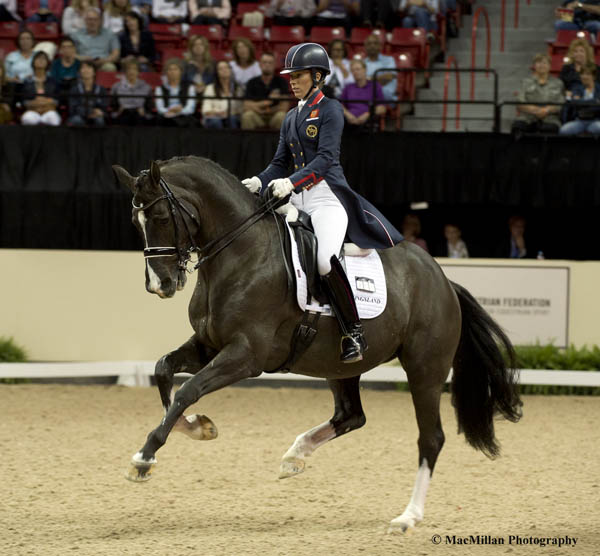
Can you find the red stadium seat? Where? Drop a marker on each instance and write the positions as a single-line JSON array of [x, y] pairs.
[[406, 79], [254, 34], [563, 39], [413, 41], [359, 36], [213, 33], [324, 35], [107, 79], [557, 62], [166, 35], [248, 7], [44, 31], [219, 54], [284, 36], [153, 78], [9, 29], [6, 46], [169, 53]]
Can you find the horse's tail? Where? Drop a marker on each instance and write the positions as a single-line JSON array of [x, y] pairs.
[[484, 380]]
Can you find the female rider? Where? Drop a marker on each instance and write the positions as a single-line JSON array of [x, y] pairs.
[[310, 142]]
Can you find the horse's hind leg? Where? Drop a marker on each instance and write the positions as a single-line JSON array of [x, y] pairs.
[[426, 372], [188, 358], [348, 415]]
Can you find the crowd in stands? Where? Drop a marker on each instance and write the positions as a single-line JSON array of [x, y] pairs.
[[208, 69], [515, 243], [562, 95], [105, 55]]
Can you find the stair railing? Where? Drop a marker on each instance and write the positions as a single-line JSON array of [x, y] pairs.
[[451, 62], [478, 12]]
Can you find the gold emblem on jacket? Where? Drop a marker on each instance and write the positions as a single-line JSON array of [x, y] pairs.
[[312, 130]]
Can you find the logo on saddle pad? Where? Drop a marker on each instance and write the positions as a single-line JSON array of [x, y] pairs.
[[312, 130], [365, 284]]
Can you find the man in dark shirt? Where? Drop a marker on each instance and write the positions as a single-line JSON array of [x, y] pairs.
[[263, 106]]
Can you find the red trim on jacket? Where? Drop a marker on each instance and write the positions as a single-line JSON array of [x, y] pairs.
[[318, 99], [310, 176]]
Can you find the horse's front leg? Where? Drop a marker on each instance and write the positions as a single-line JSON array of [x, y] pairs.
[[188, 358], [348, 415], [235, 362]]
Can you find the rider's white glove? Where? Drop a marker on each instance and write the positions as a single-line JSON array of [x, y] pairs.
[[281, 187], [253, 184]]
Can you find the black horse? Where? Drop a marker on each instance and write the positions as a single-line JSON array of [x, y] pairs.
[[243, 314]]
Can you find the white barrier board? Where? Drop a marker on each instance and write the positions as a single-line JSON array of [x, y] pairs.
[[530, 303]]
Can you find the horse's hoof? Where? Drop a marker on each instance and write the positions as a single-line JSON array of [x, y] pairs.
[[140, 470], [290, 467], [401, 524], [198, 427]]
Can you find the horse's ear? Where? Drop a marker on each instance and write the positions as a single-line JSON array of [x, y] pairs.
[[155, 173], [124, 177]]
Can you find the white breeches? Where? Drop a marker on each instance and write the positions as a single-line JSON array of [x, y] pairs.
[[329, 219], [34, 118]]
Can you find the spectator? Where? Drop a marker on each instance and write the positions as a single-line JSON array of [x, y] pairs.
[[291, 12], [264, 106], [131, 110], [6, 97], [218, 112], [540, 88], [586, 16], [65, 69], [209, 12], [358, 113], [244, 64], [580, 54], [376, 13], [337, 13], [585, 118], [88, 100], [137, 43], [200, 67], [339, 64], [175, 98], [377, 61], [95, 44], [454, 247], [169, 11], [420, 13], [73, 16], [40, 94], [411, 230], [18, 62], [515, 247], [114, 14], [8, 10], [144, 8], [42, 11]]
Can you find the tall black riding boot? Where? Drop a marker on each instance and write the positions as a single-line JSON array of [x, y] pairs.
[[342, 302]]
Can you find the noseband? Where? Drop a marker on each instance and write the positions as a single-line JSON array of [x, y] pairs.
[[212, 247]]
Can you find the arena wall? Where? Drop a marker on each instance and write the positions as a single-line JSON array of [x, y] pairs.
[[92, 305]]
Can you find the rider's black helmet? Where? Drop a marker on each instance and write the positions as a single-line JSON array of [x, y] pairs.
[[307, 55]]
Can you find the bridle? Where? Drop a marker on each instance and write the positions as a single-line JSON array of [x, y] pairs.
[[214, 246]]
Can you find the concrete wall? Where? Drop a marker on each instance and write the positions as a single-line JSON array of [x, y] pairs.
[[93, 306]]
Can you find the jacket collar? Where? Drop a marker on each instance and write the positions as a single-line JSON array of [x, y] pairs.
[[310, 104]]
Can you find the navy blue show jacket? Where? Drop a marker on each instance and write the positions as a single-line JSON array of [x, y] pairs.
[[309, 142]]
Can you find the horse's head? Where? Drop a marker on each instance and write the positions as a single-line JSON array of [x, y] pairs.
[[166, 225]]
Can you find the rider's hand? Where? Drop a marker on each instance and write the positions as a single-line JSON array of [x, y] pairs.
[[281, 187], [253, 184]]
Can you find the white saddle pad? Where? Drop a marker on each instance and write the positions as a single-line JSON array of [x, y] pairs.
[[366, 277]]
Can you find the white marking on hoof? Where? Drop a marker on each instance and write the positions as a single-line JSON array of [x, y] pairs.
[[197, 427], [290, 467], [140, 469], [414, 512]]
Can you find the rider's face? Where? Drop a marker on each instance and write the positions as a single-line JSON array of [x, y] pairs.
[[301, 82]]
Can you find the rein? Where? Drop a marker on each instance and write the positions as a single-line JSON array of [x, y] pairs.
[[214, 246]]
